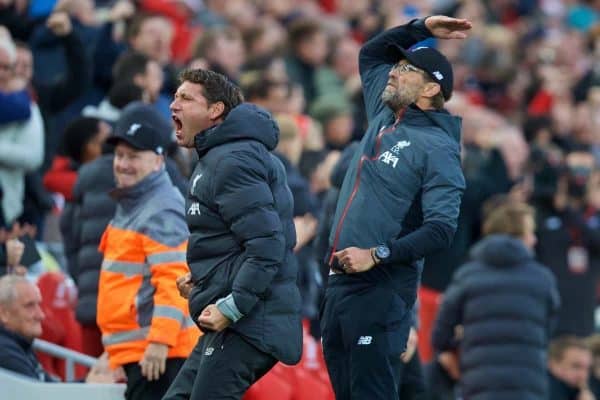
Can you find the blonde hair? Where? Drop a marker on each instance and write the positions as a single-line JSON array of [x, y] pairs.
[[508, 219]]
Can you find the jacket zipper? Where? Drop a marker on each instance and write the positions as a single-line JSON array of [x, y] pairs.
[[363, 158]]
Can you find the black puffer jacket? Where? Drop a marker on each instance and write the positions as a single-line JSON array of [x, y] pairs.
[[239, 212], [506, 303]]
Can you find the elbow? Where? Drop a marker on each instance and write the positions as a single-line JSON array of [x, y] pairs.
[[443, 233]]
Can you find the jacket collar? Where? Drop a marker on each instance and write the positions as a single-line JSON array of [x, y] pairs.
[[19, 339], [131, 195]]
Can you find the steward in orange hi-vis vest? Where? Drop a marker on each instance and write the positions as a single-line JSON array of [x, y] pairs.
[[144, 249]]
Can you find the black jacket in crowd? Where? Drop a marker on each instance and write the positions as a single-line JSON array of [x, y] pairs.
[[239, 212], [17, 356], [506, 303]]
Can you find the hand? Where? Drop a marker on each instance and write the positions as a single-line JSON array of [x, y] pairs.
[[101, 372], [14, 252], [444, 27], [123, 9], [585, 394], [212, 319], [411, 346], [306, 229], [353, 259], [185, 285], [449, 361], [59, 23], [154, 361]]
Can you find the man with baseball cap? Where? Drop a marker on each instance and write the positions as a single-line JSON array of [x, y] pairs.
[[407, 173], [145, 324]]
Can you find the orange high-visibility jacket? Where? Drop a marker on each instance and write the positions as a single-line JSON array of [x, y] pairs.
[[144, 249]]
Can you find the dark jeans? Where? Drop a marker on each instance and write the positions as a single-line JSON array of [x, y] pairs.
[[221, 366], [365, 329], [140, 388]]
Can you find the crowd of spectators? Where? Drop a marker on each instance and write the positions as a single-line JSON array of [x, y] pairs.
[[526, 83]]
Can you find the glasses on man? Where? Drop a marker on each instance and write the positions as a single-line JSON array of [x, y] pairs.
[[403, 68]]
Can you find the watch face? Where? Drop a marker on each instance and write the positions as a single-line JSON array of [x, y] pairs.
[[382, 252]]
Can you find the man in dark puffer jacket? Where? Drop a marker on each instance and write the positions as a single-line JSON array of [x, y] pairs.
[[506, 304], [239, 211]]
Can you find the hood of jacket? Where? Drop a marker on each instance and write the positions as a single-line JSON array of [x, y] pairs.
[[501, 251], [244, 122], [451, 124]]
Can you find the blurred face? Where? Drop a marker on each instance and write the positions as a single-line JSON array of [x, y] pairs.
[[313, 49], [25, 315], [24, 64], [191, 113], [574, 368], [529, 239], [151, 81], [338, 130], [130, 165], [6, 69], [154, 39], [404, 87], [345, 60]]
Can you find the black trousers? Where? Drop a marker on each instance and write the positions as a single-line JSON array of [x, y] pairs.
[[140, 388], [365, 329], [221, 366]]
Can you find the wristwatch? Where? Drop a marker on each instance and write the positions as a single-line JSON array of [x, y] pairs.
[[380, 253]]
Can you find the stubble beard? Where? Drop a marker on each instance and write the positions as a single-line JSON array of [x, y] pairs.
[[397, 99]]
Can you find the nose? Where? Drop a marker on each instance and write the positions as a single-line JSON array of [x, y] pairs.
[[39, 313], [173, 105]]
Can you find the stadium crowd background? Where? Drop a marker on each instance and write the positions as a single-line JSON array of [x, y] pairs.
[[527, 84]]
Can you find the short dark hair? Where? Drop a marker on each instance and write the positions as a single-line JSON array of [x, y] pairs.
[[128, 65], [215, 87], [77, 134], [303, 29]]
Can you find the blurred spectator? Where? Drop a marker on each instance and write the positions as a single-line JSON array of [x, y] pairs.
[[569, 243], [62, 72], [82, 143], [223, 50], [308, 52], [11, 252], [21, 143], [335, 117], [569, 366], [498, 312], [145, 324]]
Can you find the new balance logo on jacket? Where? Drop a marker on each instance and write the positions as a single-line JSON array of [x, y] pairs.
[[364, 340]]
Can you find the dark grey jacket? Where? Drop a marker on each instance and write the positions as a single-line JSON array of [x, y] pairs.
[[239, 212], [506, 303], [404, 185]]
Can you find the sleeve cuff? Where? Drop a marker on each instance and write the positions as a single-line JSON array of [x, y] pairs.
[[228, 308]]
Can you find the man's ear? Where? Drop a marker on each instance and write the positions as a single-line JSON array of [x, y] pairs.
[[431, 89], [216, 110]]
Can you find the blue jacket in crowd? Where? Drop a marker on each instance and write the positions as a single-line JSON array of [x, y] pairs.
[[239, 212], [507, 304], [405, 182]]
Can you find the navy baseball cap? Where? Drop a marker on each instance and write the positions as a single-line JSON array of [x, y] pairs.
[[429, 60], [140, 136]]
